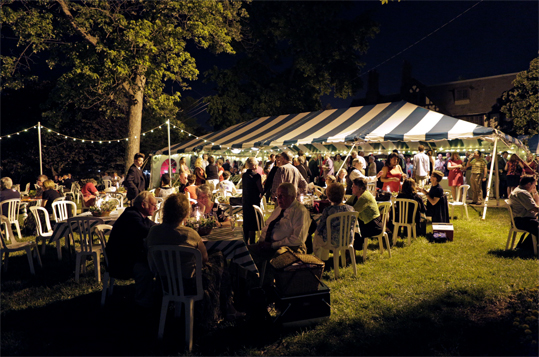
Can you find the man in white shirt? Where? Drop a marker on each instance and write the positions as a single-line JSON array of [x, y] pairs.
[[288, 173], [226, 184], [287, 226], [421, 166], [524, 201]]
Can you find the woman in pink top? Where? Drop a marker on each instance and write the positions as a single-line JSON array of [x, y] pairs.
[[392, 174], [455, 177]]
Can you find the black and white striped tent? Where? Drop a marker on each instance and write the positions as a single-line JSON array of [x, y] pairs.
[[372, 128]]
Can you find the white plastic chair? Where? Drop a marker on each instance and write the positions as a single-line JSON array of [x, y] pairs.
[[5, 248], [383, 207], [107, 183], [347, 220], [514, 230], [460, 200], [260, 222], [12, 214], [26, 191], [371, 187], [401, 219], [75, 191], [83, 226], [43, 235], [166, 261], [61, 209]]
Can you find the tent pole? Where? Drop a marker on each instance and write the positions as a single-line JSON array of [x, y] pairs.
[[489, 180], [169, 153], [39, 139], [346, 158], [497, 187]]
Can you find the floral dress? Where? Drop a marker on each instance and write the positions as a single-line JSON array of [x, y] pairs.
[[335, 223]]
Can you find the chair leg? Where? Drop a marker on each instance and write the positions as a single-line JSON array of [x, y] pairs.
[[162, 318], [395, 233], [508, 239], [18, 229], [36, 249], [534, 239], [189, 323], [466, 210], [342, 254], [336, 263], [386, 237], [77, 267], [353, 258], [409, 233], [365, 244], [6, 260], [59, 249], [30, 260], [97, 265], [105, 288], [263, 272], [43, 239]]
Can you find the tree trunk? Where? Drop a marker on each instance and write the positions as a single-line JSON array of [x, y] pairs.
[[135, 120]]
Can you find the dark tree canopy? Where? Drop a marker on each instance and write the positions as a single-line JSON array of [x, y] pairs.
[[288, 58]]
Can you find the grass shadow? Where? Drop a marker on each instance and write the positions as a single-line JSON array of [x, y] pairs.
[[513, 253]]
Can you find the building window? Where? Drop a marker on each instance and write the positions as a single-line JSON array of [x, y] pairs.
[[462, 96]]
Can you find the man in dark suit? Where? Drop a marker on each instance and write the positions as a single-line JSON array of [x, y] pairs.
[[135, 181], [126, 252]]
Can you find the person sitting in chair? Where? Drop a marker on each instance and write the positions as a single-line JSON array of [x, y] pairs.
[[125, 249], [524, 202], [7, 193], [287, 226]]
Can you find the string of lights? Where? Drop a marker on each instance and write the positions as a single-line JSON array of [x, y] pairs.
[[95, 141]]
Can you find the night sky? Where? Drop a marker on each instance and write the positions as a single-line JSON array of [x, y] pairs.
[[492, 38]]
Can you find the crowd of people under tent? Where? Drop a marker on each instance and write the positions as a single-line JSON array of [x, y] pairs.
[[285, 179]]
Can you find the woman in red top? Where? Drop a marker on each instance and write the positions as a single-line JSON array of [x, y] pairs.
[[531, 166], [392, 174], [455, 177], [220, 169], [89, 192], [513, 173]]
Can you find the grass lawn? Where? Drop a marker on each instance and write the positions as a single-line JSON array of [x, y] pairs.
[[468, 297]]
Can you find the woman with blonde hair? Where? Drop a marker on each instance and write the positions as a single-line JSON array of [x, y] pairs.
[[200, 173]]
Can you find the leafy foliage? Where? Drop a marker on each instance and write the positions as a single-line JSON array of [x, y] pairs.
[[114, 58], [521, 103], [288, 58]]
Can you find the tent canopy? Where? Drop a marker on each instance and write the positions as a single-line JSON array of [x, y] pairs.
[[371, 127]]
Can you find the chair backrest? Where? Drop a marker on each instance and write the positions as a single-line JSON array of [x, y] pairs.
[[9, 232], [402, 209], [371, 187], [37, 217], [75, 187], [27, 190], [259, 218], [61, 210], [159, 199], [13, 206], [384, 207], [61, 198], [346, 226], [107, 183], [166, 261], [511, 214], [84, 226], [101, 230], [462, 192], [119, 197]]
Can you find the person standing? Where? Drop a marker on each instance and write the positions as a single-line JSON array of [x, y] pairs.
[[479, 174], [251, 194], [421, 166], [502, 173], [392, 174], [455, 177], [269, 179], [514, 169], [212, 172], [288, 173], [135, 181], [328, 166]]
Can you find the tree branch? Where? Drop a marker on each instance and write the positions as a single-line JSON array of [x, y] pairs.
[[81, 31]]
